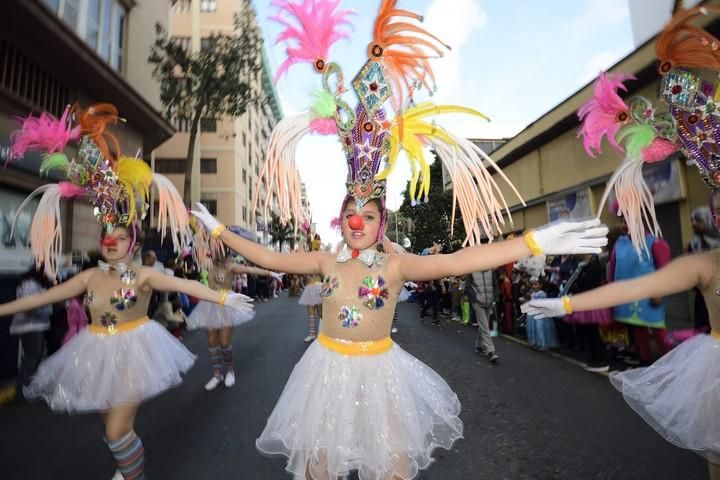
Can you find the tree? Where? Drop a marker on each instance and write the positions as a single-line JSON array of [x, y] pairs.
[[431, 220], [214, 82], [282, 234]]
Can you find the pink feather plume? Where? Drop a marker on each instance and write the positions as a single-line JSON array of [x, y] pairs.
[[70, 190], [336, 224], [603, 114], [324, 126], [45, 133], [658, 150], [318, 29]]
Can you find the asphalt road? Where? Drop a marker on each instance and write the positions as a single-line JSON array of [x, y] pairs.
[[533, 416]]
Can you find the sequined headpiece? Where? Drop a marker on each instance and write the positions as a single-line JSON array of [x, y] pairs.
[[397, 67], [690, 125], [78, 145]]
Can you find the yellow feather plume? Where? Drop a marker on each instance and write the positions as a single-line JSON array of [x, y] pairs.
[[136, 176], [416, 127]]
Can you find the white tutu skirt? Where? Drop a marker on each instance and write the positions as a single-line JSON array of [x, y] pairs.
[[379, 414], [95, 372], [311, 295], [211, 316], [679, 395]]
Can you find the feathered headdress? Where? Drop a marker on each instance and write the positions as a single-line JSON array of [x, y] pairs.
[[118, 187], [692, 124], [397, 66]]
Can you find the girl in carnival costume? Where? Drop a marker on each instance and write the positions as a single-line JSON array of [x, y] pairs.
[[311, 296], [356, 400], [677, 395], [210, 254], [123, 358]]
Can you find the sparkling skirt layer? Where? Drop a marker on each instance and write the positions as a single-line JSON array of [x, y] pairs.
[[211, 316], [95, 372], [381, 415], [679, 395]]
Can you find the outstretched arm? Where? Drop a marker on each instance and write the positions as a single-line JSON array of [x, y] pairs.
[[165, 283], [72, 288], [565, 237], [307, 263], [679, 275], [254, 271], [462, 262]]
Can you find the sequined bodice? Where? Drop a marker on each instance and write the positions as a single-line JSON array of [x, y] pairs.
[[114, 298], [220, 278], [711, 292], [358, 301]]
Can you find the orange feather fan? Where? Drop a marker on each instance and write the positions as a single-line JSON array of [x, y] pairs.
[[405, 48], [684, 45], [94, 121]]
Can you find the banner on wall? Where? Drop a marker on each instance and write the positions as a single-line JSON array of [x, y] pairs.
[[570, 206]]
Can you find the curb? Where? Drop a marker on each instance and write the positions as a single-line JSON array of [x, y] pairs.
[[553, 354]]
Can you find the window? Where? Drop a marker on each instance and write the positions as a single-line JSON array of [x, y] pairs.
[[208, 6], [250, 195], [70, 11], [244, 214], [244, 140], [250, 154], [105, 29], [211, 205], [92, 23], [116, 42], [170, 165], [52, 5], [208, 165], [244, 175], [208, 125]]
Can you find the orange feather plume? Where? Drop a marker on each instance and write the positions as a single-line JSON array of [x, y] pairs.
[[94, 121], [405, 48], [684, 45]]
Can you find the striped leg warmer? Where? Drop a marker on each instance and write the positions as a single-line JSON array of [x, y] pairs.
[[216, 361], [129, 456]]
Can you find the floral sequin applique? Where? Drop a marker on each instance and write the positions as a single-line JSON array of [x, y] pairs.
[[350, 316], [373, 292], [123, 299], [328, 286], [108, 320]]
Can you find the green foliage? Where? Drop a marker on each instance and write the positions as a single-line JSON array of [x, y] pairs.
[[214, 81], [431, 221], [282, 234], [217, 81]]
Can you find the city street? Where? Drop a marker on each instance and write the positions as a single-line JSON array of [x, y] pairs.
[[534, 416]]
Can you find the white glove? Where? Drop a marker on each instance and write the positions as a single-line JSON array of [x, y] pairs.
[[544, 308], [277, 276], [206, 218], [569, 238], [238, 301]]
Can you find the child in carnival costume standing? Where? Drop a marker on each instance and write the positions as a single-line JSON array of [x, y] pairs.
[[356, 400]]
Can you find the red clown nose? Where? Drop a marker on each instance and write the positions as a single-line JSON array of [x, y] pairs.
[[356, 222], [109, 241]]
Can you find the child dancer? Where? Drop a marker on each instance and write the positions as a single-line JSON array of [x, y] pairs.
[[677, 395], [541, 332], [123, 358], [311, 298], [218, 320], [356, 400]]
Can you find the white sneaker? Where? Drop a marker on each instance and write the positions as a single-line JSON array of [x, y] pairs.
[[309, 338], [212, 383], [118, 476], [393, 330], [229, 379]]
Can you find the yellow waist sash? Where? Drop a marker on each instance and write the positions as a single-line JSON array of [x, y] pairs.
[[347, 347], [122, 327], [715, 334]]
